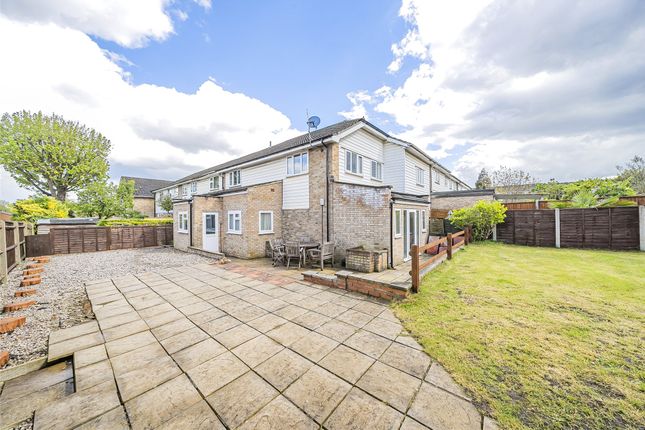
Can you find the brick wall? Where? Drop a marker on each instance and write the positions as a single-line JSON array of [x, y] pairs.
[[180, 240], [449, 203], [297, 223], [360, 216], [267, 197], [234, 244], [145, 206], [203, 204]]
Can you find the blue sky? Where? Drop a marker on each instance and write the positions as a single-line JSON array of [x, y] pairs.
[[181, 85]]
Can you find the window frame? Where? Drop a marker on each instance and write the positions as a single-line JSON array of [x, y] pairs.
[[398, 223], [424, 221], [350, 155], [421, 173], [260, 213], [213, 180], [182, 215], [235, 174], [184, 190], [437, 179], [234, 213], [193, 187], [303, 158], [379, 170]]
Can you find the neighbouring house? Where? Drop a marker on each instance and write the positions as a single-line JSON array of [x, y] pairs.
[[144, 198], [349, 183]]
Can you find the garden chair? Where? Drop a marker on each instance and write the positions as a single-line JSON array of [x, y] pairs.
[[325, 252], [277, 251], [292, 250]]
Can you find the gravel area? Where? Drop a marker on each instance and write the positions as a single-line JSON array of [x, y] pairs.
[[61, 297]]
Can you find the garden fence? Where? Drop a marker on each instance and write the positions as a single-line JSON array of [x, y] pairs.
[[13, 247], [93, 239], [618, 228]]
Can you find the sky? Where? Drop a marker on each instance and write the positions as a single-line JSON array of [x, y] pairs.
[[554, 88]]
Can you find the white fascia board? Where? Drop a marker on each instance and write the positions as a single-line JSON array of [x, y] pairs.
[[338, 136]]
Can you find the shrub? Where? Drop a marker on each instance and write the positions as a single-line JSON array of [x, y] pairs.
[[134, 221], [483, 216], [37, 208]]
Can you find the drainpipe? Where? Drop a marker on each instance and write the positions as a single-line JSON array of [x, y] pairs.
[[190, 217], [326, 185], [391, 253]]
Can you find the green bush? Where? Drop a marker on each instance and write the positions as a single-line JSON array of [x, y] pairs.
[[134, 221], [36, 208], [482, 216]]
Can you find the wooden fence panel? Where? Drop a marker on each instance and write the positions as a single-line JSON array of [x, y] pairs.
[[92, 239], [38, 244], [598, 228]]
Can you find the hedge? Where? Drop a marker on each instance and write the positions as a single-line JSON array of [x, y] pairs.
[[134, 221]]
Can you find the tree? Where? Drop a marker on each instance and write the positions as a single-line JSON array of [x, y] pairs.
[[634, 172], [50, 155], [512, 181], [4, 206], [166, 203], [483, 216], [105, 200], [600, 188], [36, 208], [483, 180]]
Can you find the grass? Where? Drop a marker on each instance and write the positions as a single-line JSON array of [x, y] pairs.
[[542, 338]]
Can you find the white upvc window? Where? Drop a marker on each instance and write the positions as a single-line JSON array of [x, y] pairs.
[[235, 178], [445, 180], [377, 170], [424, 221], [182, 225], [193, 187], [397, 222], [297, 164], [235, 222], [213, 183], [266, 222], [437, 179], [421, 174], [353, 163], [184, 190]]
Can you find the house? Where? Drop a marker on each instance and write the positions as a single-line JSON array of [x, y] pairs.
[[144, 198], [350, 183]]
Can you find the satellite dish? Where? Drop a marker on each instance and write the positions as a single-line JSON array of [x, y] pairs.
[[313, 122]]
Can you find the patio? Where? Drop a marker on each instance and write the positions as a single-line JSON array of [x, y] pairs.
[[238, 346]]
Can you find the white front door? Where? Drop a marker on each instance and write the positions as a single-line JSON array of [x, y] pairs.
[[210, 236]]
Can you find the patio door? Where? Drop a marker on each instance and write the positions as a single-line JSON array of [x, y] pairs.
[[210, 235], [410, 231]]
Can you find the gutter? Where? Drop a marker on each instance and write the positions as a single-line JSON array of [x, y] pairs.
[[327, 180], [190, 217]]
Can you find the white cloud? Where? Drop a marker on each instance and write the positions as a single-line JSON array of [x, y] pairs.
[[559, 92], [358, 99], [131, 23], [155, 130]]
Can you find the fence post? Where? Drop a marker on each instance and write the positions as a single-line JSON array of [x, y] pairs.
[[414, 252], [449, 239], [557, 227], [3, 253], [641, 225], [16, 241]]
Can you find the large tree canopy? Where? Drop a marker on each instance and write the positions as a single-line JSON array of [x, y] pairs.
[[105, 200], [50, 155]]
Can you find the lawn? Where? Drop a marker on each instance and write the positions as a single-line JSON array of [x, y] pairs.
[[541, 338]]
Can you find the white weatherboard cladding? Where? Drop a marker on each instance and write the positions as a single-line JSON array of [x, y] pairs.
[[370, 148], [411, 187], [441, 186], [266, 172], [393, 174], [295, 192]]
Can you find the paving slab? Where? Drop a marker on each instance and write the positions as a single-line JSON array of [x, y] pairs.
[[129, 343], [236, 336], [78, 408], [124, 330], [198, 417], [384, 328], [360, 411], [441, 410], [89, 356], [288, 333], [93, 374], [197, 354], [67, 347], [283, 368], [267, 322], [257, 350], [142, 379], [390, 385], [175, 395], [356, 318], [337, 330], [111, 420], [279, 414], [314, 346], [217, 372], [317, 392], [407, 359], [438, 376], [347, 363], [368, 343], [19, 409], [36, 381], [172, 328], [240, 399], [183, 340], [220, 325]]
